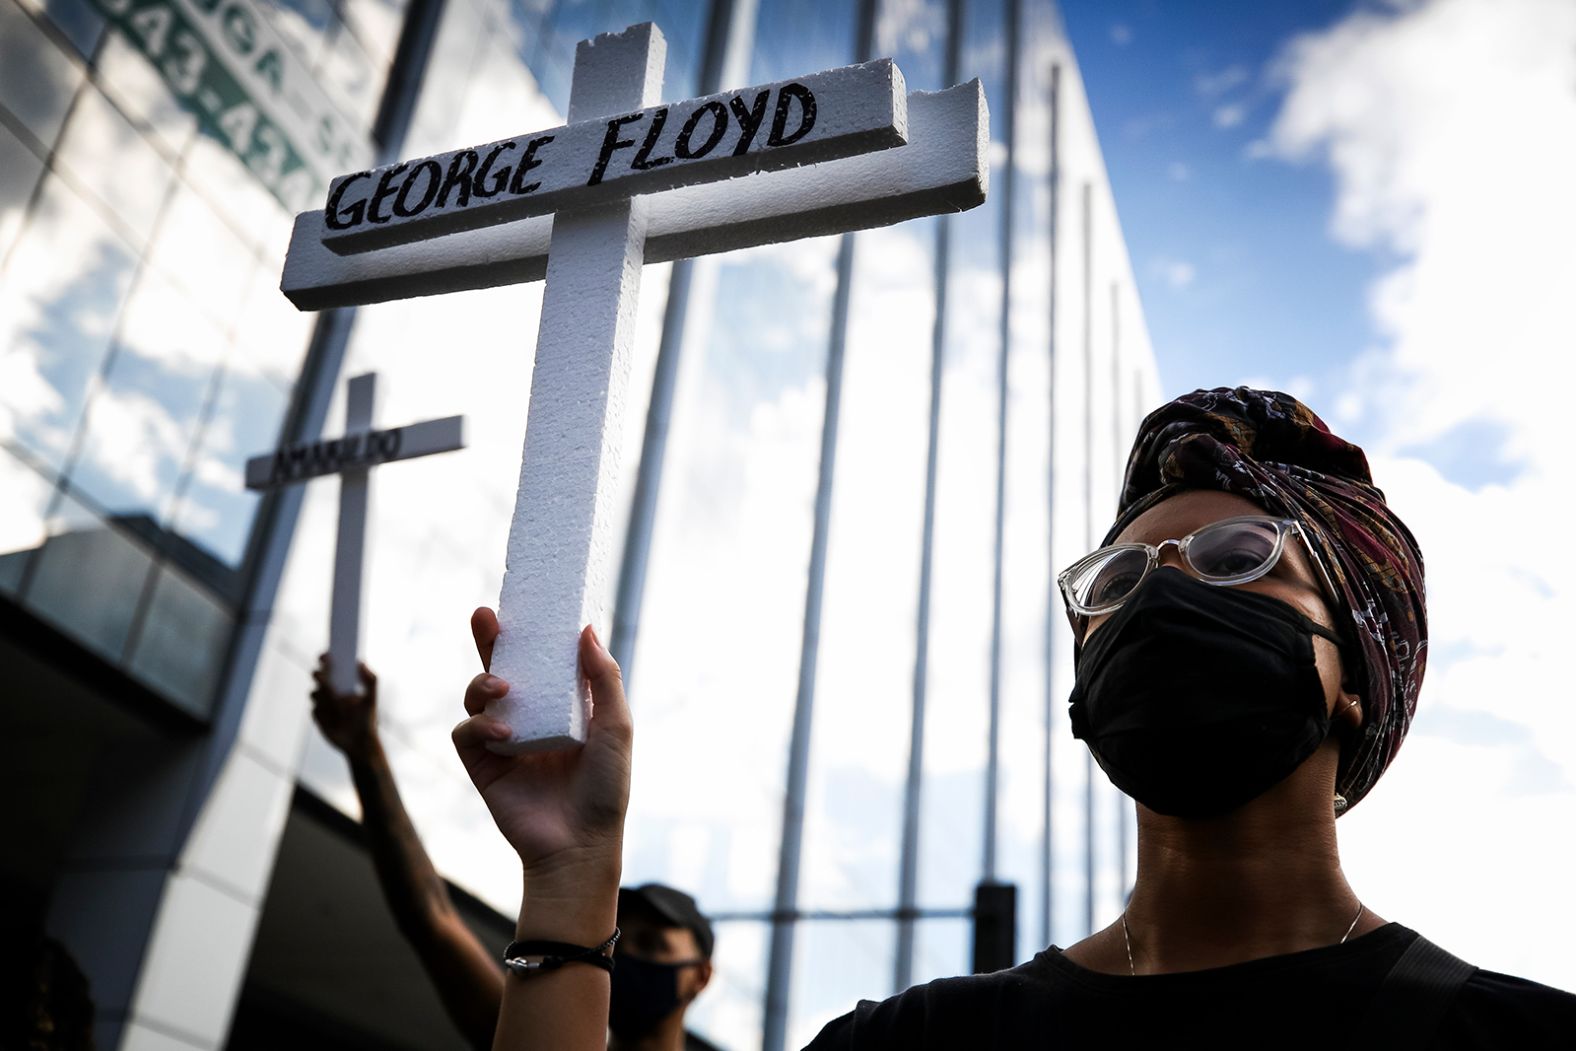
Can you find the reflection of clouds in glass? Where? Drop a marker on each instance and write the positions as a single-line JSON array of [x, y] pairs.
[[133, 83], [272, 332], [216, 509], [255, 214], [305, 24], [19, 172], [872, 575], [138, 425], [719, 644], [350, 78], [131, 189], [771, 318], [198, 250], [27, 496], [62, 292], [135, 443], [377, 23], [794, 37], [730, 1008], [912, 27]]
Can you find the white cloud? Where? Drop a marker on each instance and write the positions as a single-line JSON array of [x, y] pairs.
[[1214, 85], [1446, 127], [1229, 115], [1121, 34], [1178, 172], [1178, 273]]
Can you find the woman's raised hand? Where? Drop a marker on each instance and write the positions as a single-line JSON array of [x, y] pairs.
[[562, 811]]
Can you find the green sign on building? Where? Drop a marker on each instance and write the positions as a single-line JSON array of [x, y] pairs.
[[247, 88]]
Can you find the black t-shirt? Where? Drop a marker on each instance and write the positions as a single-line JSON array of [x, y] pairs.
[[696, 1042], [1315, 998]]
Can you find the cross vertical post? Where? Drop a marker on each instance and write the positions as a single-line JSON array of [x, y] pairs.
[[344, 621], [555, 570]]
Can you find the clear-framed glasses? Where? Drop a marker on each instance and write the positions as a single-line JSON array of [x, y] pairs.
[[1231, 551]]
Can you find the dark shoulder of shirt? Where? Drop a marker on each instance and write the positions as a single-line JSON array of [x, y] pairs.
[[1318, 997]]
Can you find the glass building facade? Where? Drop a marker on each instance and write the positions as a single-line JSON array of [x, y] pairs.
[[869, 456]]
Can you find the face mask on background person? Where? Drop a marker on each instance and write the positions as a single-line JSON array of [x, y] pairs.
[[644, 993], [1196, 698]]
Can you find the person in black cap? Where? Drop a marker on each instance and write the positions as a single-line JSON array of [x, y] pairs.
[[662, 962], [663, 956]]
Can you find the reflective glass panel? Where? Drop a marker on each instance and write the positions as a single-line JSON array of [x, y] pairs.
[[37, 78], [273, 334], [864, 707], [88, 578], [306, 24], [215, 512], [1027, 599], [942, 948], [795, 37], [729, 1012], [913, 33], [377, 24], [958, 708], [180, 647], [19, 172], [139, 426], [203, 255], [62, 292], [22, 523], [131, 191], [351, 77], [837, 964], [76, 19], [252, 212], [132, 83]]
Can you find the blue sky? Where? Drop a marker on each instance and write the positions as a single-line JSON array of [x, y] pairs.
[[1231, 251]]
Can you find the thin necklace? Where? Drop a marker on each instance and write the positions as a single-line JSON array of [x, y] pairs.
[[1127, 938]]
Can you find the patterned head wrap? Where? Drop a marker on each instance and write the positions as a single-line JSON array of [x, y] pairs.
[[1270, 448]]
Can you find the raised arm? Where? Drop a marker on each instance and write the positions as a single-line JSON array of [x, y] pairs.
[[468, 979], [563, 812]]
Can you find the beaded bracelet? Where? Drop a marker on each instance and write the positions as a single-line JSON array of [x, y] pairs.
[[529, 957]]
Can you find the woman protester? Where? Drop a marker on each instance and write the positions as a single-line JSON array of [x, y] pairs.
[[1250, 640]]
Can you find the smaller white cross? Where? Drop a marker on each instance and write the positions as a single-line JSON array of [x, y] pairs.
[[362, 447]]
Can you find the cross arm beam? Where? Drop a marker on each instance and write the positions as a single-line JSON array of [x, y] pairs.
[[296, 463], [943, 167], [808, 120]]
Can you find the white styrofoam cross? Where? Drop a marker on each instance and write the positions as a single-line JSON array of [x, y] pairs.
[[362, 447], [630, 182]]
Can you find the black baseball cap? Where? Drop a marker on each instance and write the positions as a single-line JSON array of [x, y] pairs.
[[673, 906]]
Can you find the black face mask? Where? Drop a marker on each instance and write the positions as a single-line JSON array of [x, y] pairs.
[[1196, 699], [644, 993]]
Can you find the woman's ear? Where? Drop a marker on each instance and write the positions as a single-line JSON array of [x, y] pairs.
[[1348, 711]]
